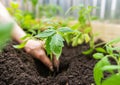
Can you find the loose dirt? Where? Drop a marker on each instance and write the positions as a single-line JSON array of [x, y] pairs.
[[19, 68]]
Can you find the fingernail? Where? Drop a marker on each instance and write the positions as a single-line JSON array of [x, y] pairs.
[[51, 68]]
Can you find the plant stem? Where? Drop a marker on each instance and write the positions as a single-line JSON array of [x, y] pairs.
[[100, 44]]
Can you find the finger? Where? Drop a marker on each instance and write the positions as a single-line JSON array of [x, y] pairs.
[[42, 44], [55, 62], [40, 54]]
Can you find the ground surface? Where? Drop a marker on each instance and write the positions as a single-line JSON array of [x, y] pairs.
[[19, 68]]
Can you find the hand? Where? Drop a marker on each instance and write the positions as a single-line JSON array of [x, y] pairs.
[[35, 48]]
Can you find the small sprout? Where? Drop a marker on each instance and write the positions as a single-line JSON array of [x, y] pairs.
[[54, 40]]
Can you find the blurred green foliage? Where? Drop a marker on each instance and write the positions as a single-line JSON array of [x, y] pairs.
[[49, 10], [5, 34]]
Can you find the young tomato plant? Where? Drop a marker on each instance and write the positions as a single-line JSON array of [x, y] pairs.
[[54, 40], [82, 28], [85, 28], [105, 65]]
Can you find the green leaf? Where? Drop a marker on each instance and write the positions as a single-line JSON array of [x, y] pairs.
[[116, 48], [111, 67], [5, 33], [25, 37], [99, 49], [80, 41], [75, 26], [109, 49], [97, 72], [112, 80], [56, 45], [98, 55], [34, 2], [88, 30], [46, 33], [75, 41], [67, 37], [87, 52], [114, 41], [47, 43], [22, 45], [65, 29], [87, 38]]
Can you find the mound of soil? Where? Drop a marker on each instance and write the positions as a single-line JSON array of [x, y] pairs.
[[19, 68]]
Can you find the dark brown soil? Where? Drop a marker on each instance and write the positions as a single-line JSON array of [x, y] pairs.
[[19, 68]]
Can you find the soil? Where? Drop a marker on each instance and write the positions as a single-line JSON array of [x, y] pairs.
[[19, 68]]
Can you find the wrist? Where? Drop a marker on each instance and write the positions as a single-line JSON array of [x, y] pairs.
[[18, 33]]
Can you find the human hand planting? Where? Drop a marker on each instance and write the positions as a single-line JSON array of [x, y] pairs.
[[33, 47], [36, 48]]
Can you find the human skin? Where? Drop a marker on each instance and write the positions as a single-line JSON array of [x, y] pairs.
[[33, 47]]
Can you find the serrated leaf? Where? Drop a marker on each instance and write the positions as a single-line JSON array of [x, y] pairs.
[[112, 80], [56, 45], [47, 43], [99, 49], [46, 33], [98, 55], [65, 29], [97, 72]]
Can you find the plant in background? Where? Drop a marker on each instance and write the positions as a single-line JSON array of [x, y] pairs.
[[49, 10], [34, 3], [104, 65], [55, 22], [83, 27], [5, 34], [25, 19]]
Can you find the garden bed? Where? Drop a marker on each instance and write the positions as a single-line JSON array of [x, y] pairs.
[[19, 68]]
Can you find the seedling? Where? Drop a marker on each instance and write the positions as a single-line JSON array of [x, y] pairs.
[[54, 40], [105, 65], [83, 28]]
